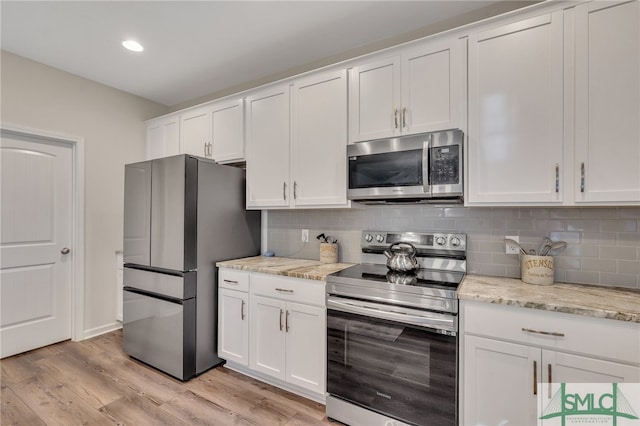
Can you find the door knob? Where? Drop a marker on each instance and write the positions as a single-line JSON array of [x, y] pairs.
[[65, 251]]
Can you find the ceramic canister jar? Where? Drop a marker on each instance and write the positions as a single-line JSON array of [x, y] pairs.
[[536, 269], [328, 252]]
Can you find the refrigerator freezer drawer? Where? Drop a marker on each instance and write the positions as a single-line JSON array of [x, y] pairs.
[[160, 333], [173, 286]]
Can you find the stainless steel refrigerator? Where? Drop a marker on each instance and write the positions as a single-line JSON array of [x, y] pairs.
[[182, 214]]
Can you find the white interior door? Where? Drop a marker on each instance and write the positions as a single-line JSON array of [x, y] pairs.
[[35, 237]]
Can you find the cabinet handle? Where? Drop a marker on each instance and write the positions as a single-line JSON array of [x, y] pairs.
[[535, 377], [295, 190], [395, 117], [242, 311], [582, 177], [550, 378], [231, 282], [557, 178], [404, 117], [284, 290], [210, 150], [284, 190], [286, 321], [205, 149], [546, 333], [281, 319]]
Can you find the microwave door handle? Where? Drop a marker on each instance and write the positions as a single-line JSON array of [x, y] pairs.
[[426, 167]]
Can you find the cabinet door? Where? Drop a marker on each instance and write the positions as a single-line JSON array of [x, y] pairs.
[[267, 350], [559, 367], [306, 346], [499, 382], [319, 140], [431, 86], [374, 102], [227, 126], [195, 133], [607, 168], [163, 138], [268, 148], [233, 321], [515, 138]]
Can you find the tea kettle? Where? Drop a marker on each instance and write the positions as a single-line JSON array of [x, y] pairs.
[[401, 257]]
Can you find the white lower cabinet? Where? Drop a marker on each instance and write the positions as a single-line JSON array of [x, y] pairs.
[[233, 316], [276, 328], [507, 358]]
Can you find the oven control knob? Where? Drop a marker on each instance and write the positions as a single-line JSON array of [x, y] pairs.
[[368, 238], [380, 238], [441, 241], [455, 241]]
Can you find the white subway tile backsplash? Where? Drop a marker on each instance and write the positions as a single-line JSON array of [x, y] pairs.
[[603, 243]]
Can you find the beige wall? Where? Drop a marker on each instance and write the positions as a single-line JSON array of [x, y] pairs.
[[111, 122]]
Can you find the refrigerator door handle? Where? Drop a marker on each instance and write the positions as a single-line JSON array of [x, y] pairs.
[[154, 295]]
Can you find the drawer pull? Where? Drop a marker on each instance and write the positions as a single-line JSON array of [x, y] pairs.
[[284, 290], [231, 282], [535, 378], [546, 333]]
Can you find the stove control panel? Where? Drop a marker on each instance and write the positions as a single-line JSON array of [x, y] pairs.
[[378, 240]]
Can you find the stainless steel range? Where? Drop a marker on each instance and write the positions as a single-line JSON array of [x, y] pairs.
[[392, 347]]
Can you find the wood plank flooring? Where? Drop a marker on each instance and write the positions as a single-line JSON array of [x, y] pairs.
[[94, 383]]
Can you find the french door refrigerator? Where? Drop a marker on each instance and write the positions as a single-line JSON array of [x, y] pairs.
[[182, 214]]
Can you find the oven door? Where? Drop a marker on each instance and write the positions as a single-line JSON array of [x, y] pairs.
[[403, 371]]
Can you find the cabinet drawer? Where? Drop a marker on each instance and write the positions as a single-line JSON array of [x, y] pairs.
[[290, 289], [603, 338], [233, 279]]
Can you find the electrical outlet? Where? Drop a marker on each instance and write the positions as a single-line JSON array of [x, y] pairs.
[[510, 248], [305, 235]]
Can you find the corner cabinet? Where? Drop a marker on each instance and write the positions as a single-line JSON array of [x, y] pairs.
[[163, 137], [607, 68], [296, 144], [509, 354], [419, 90], [515, 137]]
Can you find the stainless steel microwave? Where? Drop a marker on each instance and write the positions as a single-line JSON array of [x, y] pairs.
[[424, 168]]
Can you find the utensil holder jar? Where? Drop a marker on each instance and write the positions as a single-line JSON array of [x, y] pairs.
[[329, 252], [536, 269]]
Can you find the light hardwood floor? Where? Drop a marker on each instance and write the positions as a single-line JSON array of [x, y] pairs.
[[94, 383]]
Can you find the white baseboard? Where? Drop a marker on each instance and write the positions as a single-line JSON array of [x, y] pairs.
[[103, 329]]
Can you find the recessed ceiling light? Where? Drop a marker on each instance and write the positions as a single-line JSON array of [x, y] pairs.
[[133, 45]]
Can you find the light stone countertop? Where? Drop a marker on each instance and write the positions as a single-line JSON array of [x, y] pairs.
[[581, 299], [289, 267]]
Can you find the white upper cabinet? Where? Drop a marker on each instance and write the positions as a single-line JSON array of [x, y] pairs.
[[268, 139], [515, 136], [227, 127], [417, 91], [163, 137], [319, 140], [607, 72], [297, 144], [195, 132]]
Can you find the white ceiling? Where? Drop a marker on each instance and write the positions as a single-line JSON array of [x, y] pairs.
[[194, 48]]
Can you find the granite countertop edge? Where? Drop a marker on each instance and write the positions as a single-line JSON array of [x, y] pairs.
[[288, 267], [587, 300]]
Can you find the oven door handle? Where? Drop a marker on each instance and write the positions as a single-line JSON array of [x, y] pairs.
[[441, 323]]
